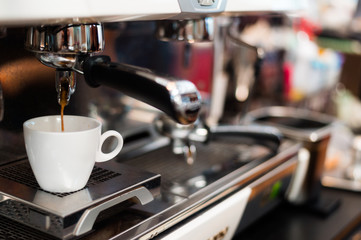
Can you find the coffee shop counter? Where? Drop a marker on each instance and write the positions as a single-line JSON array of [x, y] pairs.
[[297, 223]]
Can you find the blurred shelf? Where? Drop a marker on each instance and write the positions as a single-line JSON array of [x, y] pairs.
[[345, 43]]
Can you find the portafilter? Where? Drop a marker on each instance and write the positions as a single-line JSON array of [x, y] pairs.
[[70, 48]]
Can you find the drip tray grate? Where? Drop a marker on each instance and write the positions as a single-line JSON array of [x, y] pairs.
[[59, 214], [12, 230], [22, 173]]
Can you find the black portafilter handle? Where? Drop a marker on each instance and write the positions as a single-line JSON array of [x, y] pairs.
[[179, 99]]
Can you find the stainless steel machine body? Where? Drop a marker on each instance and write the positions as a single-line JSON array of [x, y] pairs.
[[231, 173]]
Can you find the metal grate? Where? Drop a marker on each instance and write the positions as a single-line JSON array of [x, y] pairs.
[[20, 212], [22, 173], [11, 230]]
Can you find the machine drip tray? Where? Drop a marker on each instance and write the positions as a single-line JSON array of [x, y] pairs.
[[27, 177], [66, 215], [10, 229]]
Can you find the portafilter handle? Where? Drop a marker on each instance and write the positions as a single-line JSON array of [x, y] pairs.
[[179, 99]]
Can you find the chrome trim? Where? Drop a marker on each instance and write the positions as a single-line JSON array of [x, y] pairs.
[[88, 218], [61, 46], [193, 30], [305, 134]]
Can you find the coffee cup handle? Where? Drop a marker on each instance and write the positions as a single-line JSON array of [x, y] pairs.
[[102, 157]]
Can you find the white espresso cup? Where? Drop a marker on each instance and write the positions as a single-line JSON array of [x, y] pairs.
[[63, 161]]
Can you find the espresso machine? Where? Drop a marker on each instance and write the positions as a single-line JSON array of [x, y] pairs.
[[181, 174]]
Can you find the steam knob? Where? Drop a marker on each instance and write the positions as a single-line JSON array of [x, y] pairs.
[[206, 2]]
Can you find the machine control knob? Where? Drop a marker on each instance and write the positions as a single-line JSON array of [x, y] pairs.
[[206, 2]]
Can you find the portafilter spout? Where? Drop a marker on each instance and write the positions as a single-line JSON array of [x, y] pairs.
[[65, 84]]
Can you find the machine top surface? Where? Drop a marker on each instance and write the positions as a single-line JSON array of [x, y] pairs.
[[39, 12]]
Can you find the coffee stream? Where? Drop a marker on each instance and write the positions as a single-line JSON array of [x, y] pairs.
[[63, 101]]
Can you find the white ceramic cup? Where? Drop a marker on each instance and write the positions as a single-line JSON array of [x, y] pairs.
[[63, 161]]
